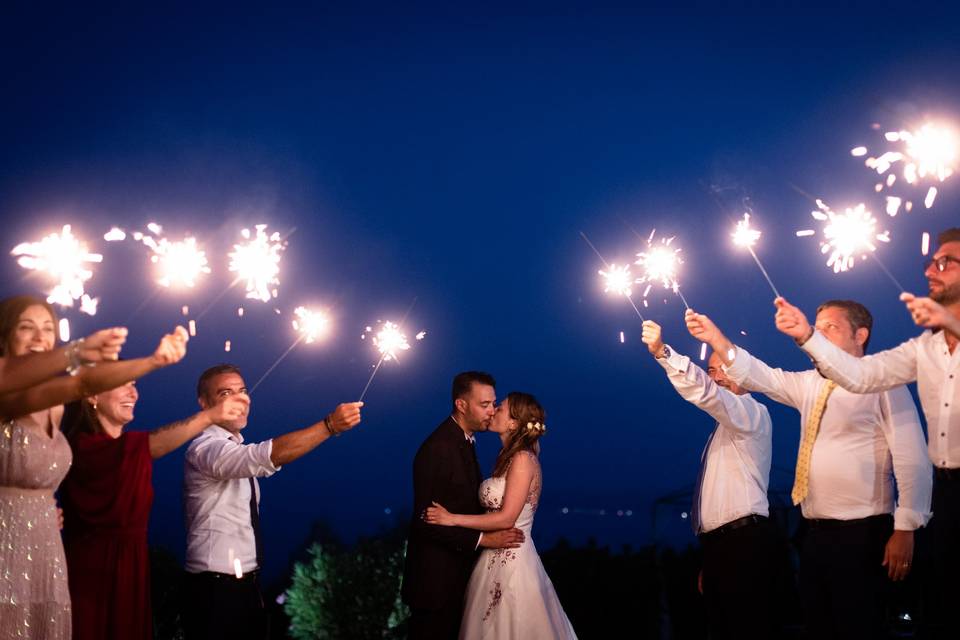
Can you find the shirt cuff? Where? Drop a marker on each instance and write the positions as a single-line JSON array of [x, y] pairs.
[[674, 361], [816, 347], [265, 449], [906, 519], [738, 369]]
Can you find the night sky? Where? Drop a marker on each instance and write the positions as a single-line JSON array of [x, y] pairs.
[[453, 155]]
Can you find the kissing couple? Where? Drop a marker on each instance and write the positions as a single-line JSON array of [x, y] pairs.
[[472, 570]]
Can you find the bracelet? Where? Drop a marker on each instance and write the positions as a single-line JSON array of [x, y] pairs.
[[329, 424], [74, 361]]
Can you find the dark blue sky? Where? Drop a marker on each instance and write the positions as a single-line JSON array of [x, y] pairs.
[[453, 155]]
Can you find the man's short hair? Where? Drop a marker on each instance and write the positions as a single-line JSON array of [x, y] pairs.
[[463, 381], [948, 235], [858, 315], [204, 382]]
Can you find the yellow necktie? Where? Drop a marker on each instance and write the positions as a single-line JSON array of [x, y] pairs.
[[801, 482]]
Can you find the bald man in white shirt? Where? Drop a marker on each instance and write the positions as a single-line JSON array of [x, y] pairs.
[[730, 510], [859, 527]]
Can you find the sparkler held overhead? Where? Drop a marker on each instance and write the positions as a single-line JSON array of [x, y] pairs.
[[616, 279], [745, 236], [660, 263], [179, 263], [310, 326], [65, 260], [257, 262]]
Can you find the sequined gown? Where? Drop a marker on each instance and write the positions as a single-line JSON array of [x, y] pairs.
[[510, 594], [34, 596]]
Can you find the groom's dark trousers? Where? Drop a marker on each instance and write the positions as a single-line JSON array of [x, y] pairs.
[[440, 559]]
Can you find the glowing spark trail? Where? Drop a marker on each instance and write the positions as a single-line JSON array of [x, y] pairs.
[[388, 340], [849, 234], [257, 262], [744, 236], [660, 263], [925, 243], [616, 279], [64, 259], [310, 326], [179, 263]]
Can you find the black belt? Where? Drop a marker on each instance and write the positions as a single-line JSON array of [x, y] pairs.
[[944, 473], [216, 575], [830, 523], [733, 525]]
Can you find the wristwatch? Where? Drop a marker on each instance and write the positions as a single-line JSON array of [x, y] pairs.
[[666, 353]]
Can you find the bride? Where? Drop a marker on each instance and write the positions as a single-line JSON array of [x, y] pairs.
[[510, 595]]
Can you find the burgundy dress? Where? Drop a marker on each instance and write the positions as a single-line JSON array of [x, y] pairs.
[[106, 501]]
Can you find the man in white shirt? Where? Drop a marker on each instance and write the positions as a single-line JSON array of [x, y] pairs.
[[933, 361], [852, 447], [221, 504], [730, 510]]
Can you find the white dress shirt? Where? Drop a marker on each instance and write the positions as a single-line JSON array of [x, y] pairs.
[[925, 359], [216, 499], [737, 461], [862, 439]]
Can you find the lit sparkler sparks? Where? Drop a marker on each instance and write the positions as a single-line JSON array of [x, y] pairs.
[[388, 340], [618, 280], [64, 259], [744, 236], [660, 263], [310, 326], [848, 235], [257, 262], [179, 263], [929, 154]]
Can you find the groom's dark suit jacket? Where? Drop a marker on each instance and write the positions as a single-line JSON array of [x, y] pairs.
[[440, 559]]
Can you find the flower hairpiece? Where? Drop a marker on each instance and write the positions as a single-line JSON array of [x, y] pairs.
[[536, 426]]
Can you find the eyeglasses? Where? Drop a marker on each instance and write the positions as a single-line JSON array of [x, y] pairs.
[[941, 263]]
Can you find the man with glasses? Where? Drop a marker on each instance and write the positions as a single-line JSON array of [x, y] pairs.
[[932, 360]]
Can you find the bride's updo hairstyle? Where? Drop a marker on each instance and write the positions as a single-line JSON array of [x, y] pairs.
[[531, 420]]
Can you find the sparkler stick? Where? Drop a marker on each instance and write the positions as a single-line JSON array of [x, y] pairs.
[[744, 236], [388, 340], [616, 279], [310, 325]]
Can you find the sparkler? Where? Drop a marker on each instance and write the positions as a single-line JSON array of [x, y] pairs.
[[179, 263], [616, 279], [310, 326], [388, 340], [660, 263], [257, 262], [744, 236], [847, 235], [64, 259], [926, 154]]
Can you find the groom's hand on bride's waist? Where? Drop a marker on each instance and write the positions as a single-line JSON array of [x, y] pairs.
[[502, 539]]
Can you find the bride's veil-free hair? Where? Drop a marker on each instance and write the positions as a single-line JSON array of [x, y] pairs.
[[526, 410]]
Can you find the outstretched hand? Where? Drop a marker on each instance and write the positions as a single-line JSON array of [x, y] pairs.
[[103, 345], [928, 313], [791, 321], [436, 514], [172, 347], [652, 338], [702, 328], [345, 416], [232, 408]]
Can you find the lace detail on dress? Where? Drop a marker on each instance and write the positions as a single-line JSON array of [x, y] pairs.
[[490, 498], [503, 555], [495, 594]]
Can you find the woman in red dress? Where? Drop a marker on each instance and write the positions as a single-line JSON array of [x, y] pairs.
[[106, 500]]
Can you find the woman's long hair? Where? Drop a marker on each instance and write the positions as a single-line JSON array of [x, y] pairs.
[[525, 409], [10, 310], [79, 417]]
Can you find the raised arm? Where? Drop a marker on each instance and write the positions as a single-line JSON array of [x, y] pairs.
[[169, 437], [741, 414], [751, 373], [22, 372], [520, 475], [292, 445], [93, 380], [878, 372]]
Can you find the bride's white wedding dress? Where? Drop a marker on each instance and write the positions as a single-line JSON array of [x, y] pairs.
[[510, 595]]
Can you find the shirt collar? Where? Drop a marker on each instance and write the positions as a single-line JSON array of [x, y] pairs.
[[469, 437]]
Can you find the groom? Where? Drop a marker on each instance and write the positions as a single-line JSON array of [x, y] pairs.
[[445, 470]]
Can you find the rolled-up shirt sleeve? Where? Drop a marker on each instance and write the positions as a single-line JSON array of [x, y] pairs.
[[223, 459], [911, 465]]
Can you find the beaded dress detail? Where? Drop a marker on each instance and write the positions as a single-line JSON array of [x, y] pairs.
[[510, 594], [34, 595]]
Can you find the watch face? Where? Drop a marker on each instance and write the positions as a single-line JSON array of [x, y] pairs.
[[666, 351]]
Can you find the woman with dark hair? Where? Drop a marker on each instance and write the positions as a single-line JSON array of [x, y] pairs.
[[510, 594], [107, 498], [35, 456]]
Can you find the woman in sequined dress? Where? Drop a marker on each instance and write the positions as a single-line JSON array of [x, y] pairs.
[[510, 595], [34, 458]]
